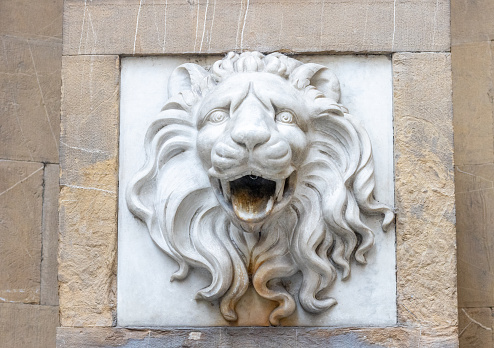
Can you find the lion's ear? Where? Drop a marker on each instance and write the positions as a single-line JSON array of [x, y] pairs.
[[327, 82], [186, 77], [318, 76]]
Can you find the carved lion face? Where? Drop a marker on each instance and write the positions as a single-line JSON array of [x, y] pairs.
[[258, 144], [252, 138]]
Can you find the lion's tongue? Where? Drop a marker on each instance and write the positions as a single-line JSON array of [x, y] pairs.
[[252, 197]]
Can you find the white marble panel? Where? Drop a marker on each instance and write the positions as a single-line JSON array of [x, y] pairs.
[[146, 297]]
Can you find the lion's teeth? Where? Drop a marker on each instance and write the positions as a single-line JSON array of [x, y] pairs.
[[280, 186], [225, 186]]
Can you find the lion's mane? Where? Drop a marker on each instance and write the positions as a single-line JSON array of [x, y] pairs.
[[319, 232]]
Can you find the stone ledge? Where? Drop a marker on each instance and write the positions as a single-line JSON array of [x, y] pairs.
[[396, 337], [175, 26]]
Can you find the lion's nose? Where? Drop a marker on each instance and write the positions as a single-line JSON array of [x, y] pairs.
[[251, 134]]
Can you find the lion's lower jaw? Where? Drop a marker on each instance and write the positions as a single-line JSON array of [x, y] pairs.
[[251, 200]]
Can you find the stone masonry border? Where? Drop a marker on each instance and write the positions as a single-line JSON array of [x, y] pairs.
[[424, 189]]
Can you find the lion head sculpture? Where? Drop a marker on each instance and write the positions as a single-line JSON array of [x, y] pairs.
[[258, 146]]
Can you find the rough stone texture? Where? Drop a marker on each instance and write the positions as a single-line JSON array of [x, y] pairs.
[[27, 326], [426, 263], [395, 337], [21, 190], [475, 327], [29, 97], [88, 200], [471, 21], [203, 26], [49, 272]]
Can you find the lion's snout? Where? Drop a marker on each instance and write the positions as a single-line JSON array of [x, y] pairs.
[[272, 158], [250, 134]]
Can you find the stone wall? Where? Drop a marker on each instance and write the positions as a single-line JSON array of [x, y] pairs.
[[473, 64], [95, 34], [415, 34], [30, 65]]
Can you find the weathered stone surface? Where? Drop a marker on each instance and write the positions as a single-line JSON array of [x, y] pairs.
[[21, 190], [471, 21], [175, 26], [30, 98], [28, 326], [426, 255], [89, 125], [88, 202], [472, 62], [475, 216], [49, 272], [35, 19], [475, 327], [473, 104], [395, 337], [474, 159]]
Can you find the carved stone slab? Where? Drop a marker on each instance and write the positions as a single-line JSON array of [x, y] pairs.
[[257, 183]]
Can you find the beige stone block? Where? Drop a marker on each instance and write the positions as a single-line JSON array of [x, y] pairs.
[[30, 98], [475, 218], [89, 125], [88, 199], [176, 26], [473, 104], [27, 326], [49, 266], [26, 18], [474, 157], [475, 327], [21, 190], [425, 206], [471, 21]]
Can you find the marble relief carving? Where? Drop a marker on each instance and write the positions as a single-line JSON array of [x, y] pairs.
[[255, 172]]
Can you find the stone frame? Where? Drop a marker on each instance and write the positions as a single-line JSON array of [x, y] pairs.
[[423, 146]]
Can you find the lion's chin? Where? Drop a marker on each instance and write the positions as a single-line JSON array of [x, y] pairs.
[[253, 199]]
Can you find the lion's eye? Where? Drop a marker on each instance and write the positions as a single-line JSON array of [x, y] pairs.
[[285, 117], [217, 116]]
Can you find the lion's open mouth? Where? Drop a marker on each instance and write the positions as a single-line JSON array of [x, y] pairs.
[[253, 197]]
